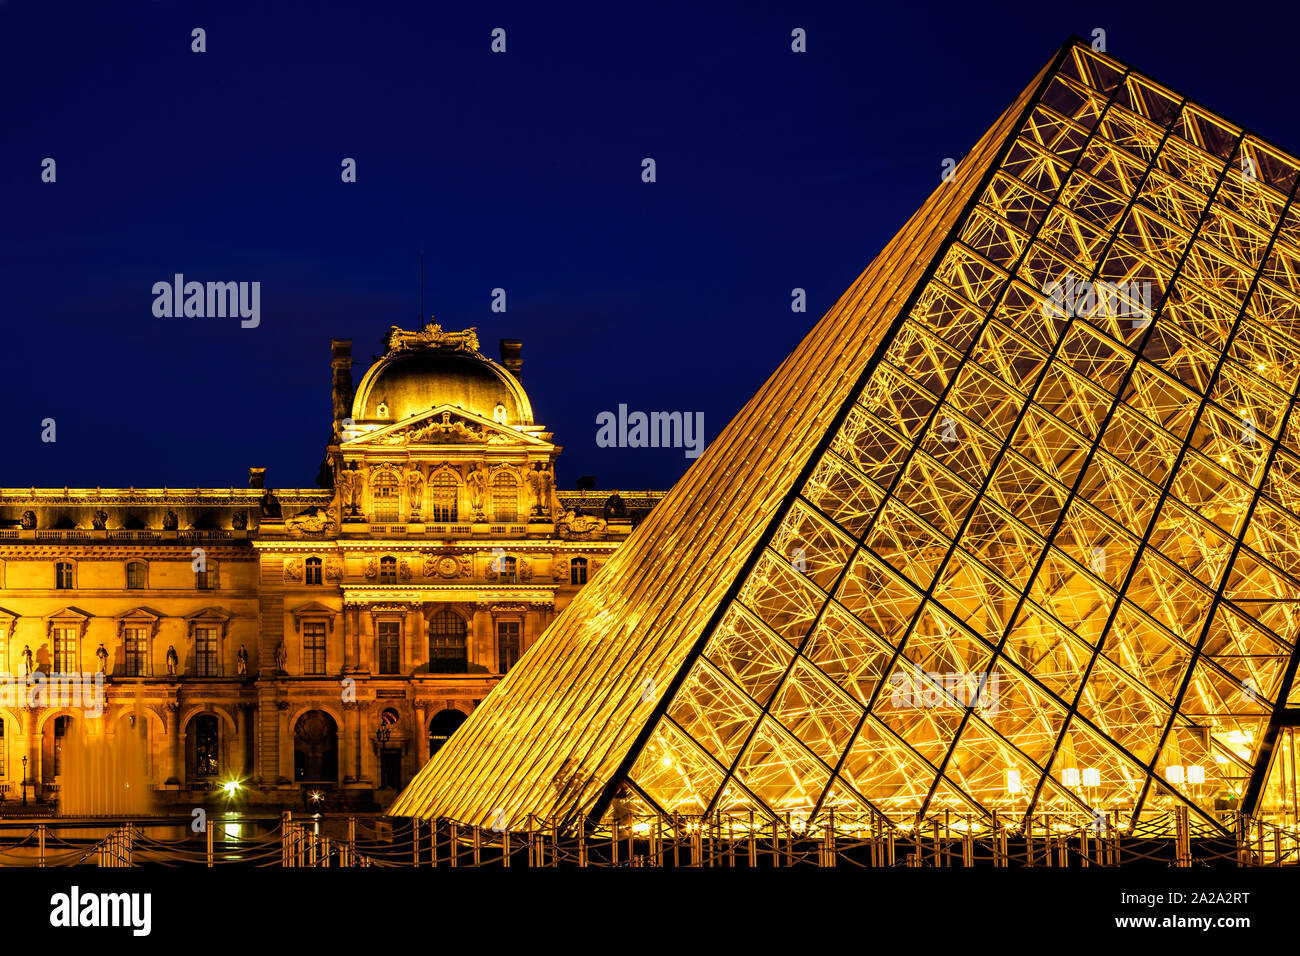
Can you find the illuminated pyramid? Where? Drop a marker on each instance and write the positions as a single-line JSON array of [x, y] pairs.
[[1014, 527]]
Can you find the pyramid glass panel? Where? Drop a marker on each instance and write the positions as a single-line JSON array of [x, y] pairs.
[[1013, 529]]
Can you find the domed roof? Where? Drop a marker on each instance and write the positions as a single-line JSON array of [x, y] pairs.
[[413, 380]]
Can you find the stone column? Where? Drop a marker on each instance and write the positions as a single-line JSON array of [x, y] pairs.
[[286, 742], [171, 743], [421, 735], [239, 748]]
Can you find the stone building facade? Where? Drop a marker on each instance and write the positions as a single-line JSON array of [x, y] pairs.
[[322, 640]]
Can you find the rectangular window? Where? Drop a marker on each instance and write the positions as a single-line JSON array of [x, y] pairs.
[[444, 499], [65, 650], [508, 648], [386, 501], [578, 571], [313, 571], [205, 580], [136, 652], [390, 647], [313, 649], [205, 652], [135, 575], [63, 576]]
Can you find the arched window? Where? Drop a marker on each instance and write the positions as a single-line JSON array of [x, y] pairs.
[[313, 571], [316, 747], [63, 576], [61, 726], [578, 571], [135, 575], [448, 643], [505, 497], [442, 726], [388, 570], [445, 489], [385, 496]]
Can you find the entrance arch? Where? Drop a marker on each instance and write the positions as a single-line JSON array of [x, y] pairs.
[[316, 748], [441, 726]]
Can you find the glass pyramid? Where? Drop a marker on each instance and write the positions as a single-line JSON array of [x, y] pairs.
[[1015, 528]]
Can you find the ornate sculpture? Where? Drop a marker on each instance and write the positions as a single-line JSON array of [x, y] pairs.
[[103, 659], [615, 507], [170, 521], [404, 570], [293, 571], [312, 520], [28, 668], [349, 485], [476, 480], [172, 660], [100, 521], [29, 520], [431, 337], [372, 569], [239, 520], [281, 659], [333, 570], [415, 489], [574, 525], [241, 666]]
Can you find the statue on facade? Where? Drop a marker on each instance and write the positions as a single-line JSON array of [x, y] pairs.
[[281, 659], [170, 521], [172, 660], [476, 480], [241, 666], [312, 520], [615, 507], [239, 520], [348, 483], [103, 659], [270, 505], [571, 524], [28, 667], [541, 481], [28, 520], [415, 488], [100, 521]]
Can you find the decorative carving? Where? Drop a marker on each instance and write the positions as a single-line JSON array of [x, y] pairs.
[[100, 521], [415, 491], [574, 525], [541, 481], [239, 520], [431, 337], [170, 521], [311, 520], [372, 568], [525, 570], [404, 570], [445, 567], [293, 571], [333, 570]]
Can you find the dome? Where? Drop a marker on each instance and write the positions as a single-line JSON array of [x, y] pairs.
[[410, 382]]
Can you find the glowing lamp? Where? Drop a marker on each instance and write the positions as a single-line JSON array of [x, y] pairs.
[[1175, 774], [1091, 777], [1196, 774], [1070, 776]]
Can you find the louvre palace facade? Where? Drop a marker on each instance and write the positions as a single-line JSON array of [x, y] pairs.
[[296, 640]]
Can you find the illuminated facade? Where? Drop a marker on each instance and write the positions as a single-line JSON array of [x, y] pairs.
[[1015, 528], [323, 638]]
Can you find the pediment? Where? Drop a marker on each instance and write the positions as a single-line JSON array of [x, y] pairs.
[[447, 425], [69, 614], [208, 614]]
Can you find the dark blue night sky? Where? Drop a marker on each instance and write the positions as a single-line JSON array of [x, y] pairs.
[[520, 171]]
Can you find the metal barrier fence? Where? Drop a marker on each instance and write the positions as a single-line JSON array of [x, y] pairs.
[[717, 841]]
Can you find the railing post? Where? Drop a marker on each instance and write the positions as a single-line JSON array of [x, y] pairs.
[[40, 840], [209, 828], [582, 840], [505, 848], [415, 841], [478, 846], [453, 833]]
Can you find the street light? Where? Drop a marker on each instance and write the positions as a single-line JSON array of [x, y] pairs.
[[24, 784]]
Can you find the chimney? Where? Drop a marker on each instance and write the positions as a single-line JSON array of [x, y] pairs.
[[512, 356], [257, 477], [341, 363]]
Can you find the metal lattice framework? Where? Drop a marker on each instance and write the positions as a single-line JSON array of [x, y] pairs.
[[1013, 529]]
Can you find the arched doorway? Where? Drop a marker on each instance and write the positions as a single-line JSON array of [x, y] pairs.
[[316, 748], [203, 748], [442, 726]]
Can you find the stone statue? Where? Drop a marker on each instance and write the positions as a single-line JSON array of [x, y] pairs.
[[239, 520], [103, 659], [615, 507], [415, 487], [242, 666], [312, 520], [28, 668], [281, 659], [574, 525], [270, 505], [29, 520], [100, 521], [170, 521], [477, 482], [172, 660], [541, 481], [349, 484]]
